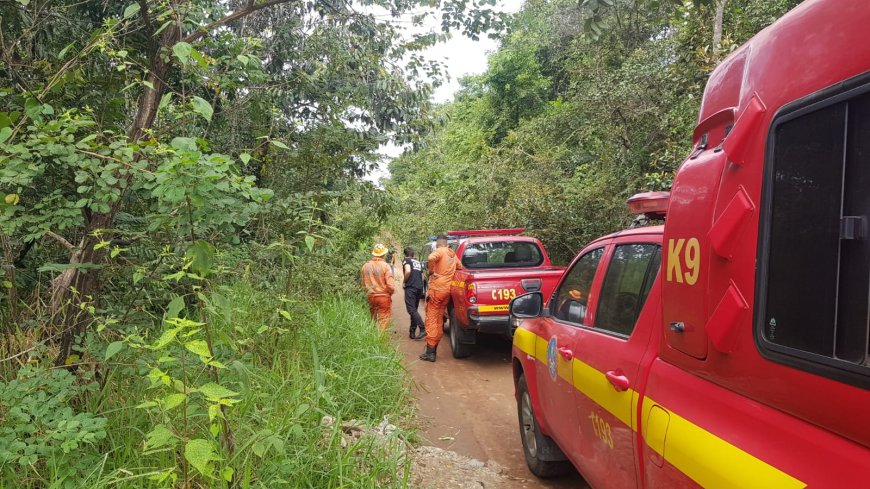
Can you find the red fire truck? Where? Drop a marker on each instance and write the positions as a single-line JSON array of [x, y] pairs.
[[497, 265], [742, 359]]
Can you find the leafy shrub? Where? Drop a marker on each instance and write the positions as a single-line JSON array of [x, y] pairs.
[[41, 434]]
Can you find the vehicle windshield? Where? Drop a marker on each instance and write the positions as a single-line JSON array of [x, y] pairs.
[[502, 254], [430, 247]]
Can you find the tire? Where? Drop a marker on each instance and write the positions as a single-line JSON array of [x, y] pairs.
[[445, 321], [460, 349], [544, 458]]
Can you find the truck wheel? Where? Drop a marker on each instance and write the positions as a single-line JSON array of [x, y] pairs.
[[460, 349], [445, 321], [544, 458]]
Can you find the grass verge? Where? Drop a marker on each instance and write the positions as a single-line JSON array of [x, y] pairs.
[[292, 363]]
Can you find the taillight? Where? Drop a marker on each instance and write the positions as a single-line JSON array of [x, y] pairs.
[[471, 293], [531, 284]]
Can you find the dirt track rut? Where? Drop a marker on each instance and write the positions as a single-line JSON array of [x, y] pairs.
[[467, 406]]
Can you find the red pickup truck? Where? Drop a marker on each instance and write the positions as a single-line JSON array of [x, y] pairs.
[[497, 265], [743, 360]]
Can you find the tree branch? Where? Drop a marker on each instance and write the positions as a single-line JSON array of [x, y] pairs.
[[146, 19], [60, 239], [238, 14]]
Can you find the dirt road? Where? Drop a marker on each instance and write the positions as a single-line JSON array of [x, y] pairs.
[[468, 405]]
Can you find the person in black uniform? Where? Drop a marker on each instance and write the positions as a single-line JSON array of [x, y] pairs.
[[413, 271]]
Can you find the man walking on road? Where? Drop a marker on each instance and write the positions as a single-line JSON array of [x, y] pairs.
[[377, 279], [413, 271], [442, 265]]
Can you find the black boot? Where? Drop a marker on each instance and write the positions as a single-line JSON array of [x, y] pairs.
[[411, 332], [421, 334], [429, 355]]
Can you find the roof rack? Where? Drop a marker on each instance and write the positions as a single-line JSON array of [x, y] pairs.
[[486, 232]]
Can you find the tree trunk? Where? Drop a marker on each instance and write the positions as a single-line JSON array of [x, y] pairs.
[[76, 287], [717, 28], [73, 288]]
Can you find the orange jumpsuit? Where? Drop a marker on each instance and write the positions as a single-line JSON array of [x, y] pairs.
[[378, 280], [442, 265]]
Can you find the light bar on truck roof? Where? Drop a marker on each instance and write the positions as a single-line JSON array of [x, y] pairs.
[[653, 205], [486, 232]]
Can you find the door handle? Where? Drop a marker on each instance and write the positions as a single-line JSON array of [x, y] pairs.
[[618, 380], [566, 353]]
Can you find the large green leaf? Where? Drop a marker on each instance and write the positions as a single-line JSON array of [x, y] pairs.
[[278, 144], [165, 338], [216, 391], [113, 348], [160, 436], [33, 108], [173, 400], [131, 10], [182, 51], [202, 107], [183, 144], [198, 347], [200, 453], [174, 307], [202, 254]]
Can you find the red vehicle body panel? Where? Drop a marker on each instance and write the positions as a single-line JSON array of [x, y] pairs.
[[708, 407], [495, 287]]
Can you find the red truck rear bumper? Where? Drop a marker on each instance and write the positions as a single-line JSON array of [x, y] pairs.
[[489, 323]]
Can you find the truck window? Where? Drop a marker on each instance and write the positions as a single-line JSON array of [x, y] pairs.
[[814, 281], [502, 254], [569, 301], [627, 283]]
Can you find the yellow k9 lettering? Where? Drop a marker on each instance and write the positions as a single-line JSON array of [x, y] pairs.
[[684, 254]]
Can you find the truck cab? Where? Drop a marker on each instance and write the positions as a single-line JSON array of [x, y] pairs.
[[744, 359]]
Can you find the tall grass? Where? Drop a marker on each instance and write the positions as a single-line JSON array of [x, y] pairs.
[[327, 359]]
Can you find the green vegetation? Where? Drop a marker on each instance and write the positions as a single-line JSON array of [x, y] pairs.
[[584, 104], [284, 366], [177, 182], [182, 214]]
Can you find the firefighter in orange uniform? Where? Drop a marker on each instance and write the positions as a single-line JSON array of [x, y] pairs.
[[442, 265], [379, 283]]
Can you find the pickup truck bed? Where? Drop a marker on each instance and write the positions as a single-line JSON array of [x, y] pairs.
[[495, 289]]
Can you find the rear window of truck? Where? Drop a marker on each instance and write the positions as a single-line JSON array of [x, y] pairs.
[[814, 282], [502, 254]]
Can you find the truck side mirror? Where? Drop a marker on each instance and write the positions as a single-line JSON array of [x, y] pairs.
[[529, 305]]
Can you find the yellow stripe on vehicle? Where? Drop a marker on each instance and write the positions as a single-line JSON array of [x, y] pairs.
[[497, 308], [702, 456], [713, 462], [595, 386], [525, 341], [457, 283], [541, 345]]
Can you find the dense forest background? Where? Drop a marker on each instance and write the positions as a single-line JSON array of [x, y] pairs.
[[574, 115], [183, 212]]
